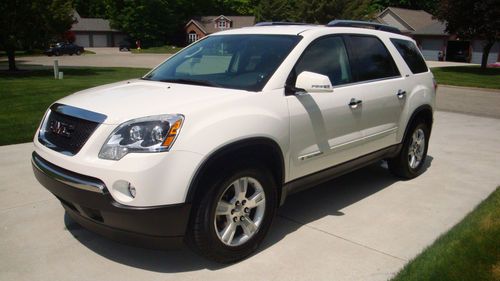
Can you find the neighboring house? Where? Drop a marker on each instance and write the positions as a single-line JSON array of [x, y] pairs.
[[198, 28], [432, 38], [95, 32]]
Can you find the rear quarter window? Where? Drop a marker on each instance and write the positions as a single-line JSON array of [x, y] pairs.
[[410, 54]]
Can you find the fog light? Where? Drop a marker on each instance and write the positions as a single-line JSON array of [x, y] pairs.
[[131, 190]]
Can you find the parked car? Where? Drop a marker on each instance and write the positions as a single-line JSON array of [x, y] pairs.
[[64, 49], [205, 147], [124, 45]]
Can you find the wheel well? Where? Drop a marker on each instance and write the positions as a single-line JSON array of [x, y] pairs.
[[261, 150], [423, 112]]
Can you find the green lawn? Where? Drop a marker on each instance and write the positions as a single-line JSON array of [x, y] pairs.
[[469, 251], [157, 50], [468, 76], [26, 95]]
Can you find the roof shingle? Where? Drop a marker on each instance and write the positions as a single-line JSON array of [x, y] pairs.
[[91, 24], [419, 21]]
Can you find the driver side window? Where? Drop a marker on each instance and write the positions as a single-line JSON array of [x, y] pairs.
[[327, 56]]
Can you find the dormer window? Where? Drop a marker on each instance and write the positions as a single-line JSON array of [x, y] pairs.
[[222, 24]]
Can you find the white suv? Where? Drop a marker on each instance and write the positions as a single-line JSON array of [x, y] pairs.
[[207, 145]]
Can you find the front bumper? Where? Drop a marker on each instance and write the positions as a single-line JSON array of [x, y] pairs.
[[88, 202]]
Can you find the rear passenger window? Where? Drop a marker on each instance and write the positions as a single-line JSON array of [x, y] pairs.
[[411, 55], [325, 56], [370, 58]]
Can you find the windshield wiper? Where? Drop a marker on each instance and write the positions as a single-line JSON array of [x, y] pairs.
[[191, 82]]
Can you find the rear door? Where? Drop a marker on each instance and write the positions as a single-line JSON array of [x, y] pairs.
[[379, 89]]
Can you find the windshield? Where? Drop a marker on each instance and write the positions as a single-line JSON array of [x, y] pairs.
[[243, 62]]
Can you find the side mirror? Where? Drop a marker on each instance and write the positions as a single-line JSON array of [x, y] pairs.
[[312, 82]]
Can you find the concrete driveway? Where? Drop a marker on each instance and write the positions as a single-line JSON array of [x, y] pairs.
[[363, 226]]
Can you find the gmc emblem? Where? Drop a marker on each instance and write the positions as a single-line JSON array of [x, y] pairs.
[[61, 128]]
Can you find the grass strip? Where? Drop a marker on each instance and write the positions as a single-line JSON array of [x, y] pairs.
[[469, 251], [468, 76], [25, 95]]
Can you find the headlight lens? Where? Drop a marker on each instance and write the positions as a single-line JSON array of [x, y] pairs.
[[148, 134]]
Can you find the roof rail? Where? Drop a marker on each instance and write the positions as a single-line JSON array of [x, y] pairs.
[[269, 23], [364, 24]]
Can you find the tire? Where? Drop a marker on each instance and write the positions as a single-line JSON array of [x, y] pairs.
[[78, 52], [57, 54], [409, 162], [219, 228]]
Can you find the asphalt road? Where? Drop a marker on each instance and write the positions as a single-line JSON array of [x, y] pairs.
[[102, 58], [475, 101], [363, 226]]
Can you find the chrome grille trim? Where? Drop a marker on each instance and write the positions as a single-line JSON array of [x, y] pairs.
[[78, 113]]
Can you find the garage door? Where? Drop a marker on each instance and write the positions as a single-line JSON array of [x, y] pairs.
[[431, 48], [477, 52], [100, 40], [82, 40]]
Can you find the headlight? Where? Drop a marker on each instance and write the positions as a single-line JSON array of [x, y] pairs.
[[148, 134]]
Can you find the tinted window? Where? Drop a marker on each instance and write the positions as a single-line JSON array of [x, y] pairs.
[[370, 58], [326, 56], [411, 55], [231, 61]]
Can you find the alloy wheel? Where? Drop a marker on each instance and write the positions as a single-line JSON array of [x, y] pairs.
[[240, 211]]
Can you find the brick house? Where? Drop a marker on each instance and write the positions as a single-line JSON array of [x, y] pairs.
[[198, 28], [432, 38]]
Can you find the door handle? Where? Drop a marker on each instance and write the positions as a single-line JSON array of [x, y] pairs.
[[354, 103], [401, 94]]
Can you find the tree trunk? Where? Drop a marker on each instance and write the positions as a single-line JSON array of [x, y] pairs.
[[486, 52], [11, 54]]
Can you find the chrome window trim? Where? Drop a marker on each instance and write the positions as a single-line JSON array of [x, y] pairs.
[[367, 81]]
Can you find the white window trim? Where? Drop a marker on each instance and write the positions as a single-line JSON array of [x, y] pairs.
[[192, 37], [222, 24]]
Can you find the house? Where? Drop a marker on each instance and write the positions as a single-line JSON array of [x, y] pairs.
[[198, 28], [432, 38], [95, 32]]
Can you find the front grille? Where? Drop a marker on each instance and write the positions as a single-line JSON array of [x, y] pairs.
[[66, 134]]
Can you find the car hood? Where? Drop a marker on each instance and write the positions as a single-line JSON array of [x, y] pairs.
[[131, 99]]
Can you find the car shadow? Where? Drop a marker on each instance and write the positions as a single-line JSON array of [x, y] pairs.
[[330, 198], [327, 199]]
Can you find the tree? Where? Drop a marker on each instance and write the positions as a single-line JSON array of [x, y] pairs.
[[320, 11], [90, 8], [233, 7], [31, 24], [361, 10], [276, 10], [472, 19], [151, 21]]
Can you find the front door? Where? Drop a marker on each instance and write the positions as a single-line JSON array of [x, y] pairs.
[[322, 121]]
